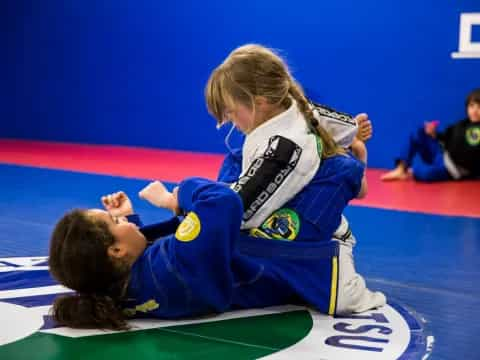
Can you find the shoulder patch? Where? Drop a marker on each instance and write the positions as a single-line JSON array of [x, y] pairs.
[[189, 228]]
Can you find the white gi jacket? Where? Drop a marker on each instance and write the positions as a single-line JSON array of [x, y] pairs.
[[281, 156]]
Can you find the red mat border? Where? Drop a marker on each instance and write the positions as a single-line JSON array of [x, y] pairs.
[[451, 198]]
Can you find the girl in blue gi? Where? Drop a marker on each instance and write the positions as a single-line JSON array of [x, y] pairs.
[[196, 269], [200, 265]]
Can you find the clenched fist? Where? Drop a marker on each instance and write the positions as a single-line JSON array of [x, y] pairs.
[[157, 194]]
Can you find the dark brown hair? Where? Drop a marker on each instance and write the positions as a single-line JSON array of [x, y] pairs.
[[79, 260], [254, 70], [473, 97]]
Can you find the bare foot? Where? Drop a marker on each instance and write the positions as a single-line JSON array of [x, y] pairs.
[[399, 173], [364, 127]]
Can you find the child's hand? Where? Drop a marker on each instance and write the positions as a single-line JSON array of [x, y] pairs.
[[431, 128], [365, 129], [117, 204], [157, 194]]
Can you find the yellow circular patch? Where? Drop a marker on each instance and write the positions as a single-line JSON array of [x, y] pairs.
[[189, 228]]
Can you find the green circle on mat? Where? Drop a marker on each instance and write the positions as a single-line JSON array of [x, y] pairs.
[[241, 338]]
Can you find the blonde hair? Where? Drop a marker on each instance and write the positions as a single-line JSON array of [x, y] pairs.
[[254, 70]]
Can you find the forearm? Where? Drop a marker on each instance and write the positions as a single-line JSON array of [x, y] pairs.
[[153, 232], [359, 149], [364, 188]]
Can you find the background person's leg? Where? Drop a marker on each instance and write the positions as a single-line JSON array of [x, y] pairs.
[[421, 144], [418, 144], [432, 171]]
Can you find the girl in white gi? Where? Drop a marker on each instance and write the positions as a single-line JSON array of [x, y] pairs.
[[285, 142]]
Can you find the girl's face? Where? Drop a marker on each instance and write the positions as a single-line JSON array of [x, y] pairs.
[[247, 119], [473, 111], [242, 117], [129, 241]]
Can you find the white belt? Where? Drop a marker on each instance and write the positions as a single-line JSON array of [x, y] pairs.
[[454, 170]]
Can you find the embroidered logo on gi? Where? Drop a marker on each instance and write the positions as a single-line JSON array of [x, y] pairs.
[[150, 305], [473, 136], [189, 228], [283, 224]]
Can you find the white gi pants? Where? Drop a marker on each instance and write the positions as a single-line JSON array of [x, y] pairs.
[[353, 296]]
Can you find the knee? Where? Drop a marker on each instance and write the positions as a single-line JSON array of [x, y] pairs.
[[417, 135], [429, 173]]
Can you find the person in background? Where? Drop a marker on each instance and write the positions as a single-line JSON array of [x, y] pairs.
[[450, 155]]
